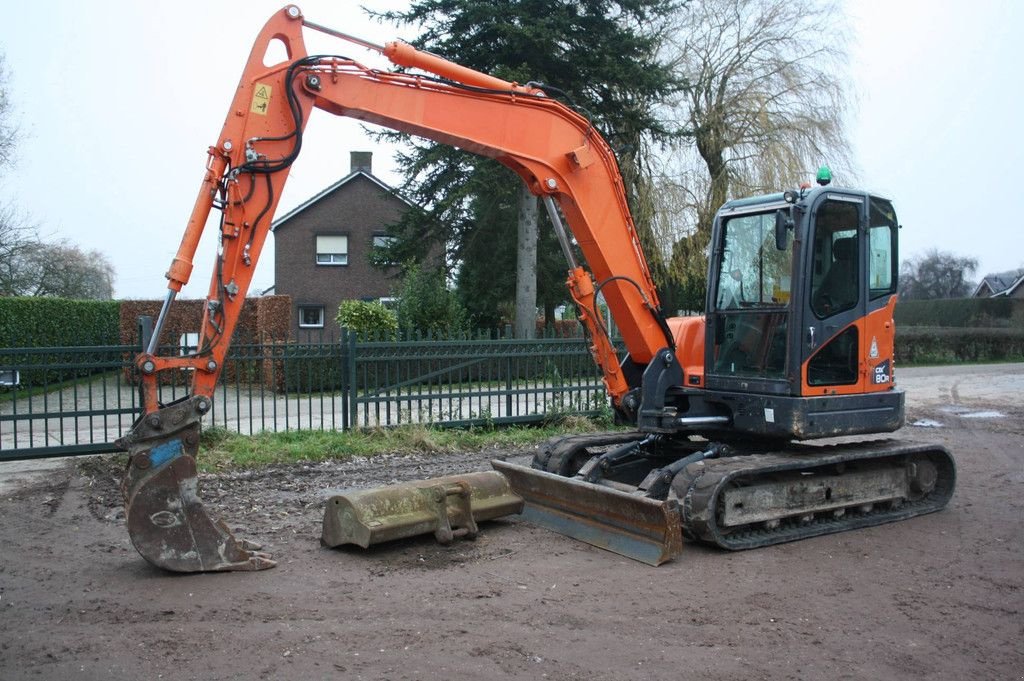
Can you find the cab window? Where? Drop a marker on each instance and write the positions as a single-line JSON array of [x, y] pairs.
[[882, 262], [754, 273], [835, 275]]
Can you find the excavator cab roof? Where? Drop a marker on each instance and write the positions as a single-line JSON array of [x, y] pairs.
[[753, 201]]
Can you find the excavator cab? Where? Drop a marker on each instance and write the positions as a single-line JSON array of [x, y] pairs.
[[799, 335]]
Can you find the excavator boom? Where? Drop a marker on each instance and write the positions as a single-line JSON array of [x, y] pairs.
[[554, 149]]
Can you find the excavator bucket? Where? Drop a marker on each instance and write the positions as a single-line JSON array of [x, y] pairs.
[[447, 507], [166, 519], [631, 525]]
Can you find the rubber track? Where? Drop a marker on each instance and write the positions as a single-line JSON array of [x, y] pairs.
[[556, 455], [698, 486]]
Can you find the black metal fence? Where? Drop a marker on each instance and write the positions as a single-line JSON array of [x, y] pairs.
[[79, 400]]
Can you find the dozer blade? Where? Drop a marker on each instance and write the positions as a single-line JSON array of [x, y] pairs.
[[447, 507], [634, 526], [167, 522]]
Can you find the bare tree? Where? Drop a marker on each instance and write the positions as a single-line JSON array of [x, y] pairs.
[[8, 126], [937, 274], [18, 240], [17, 236], [63, 270], [28, 266], [763, 103]]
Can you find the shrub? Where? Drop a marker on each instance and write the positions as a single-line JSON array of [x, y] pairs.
[[927, 345], [367, 319], [427, 307], [57, 322], [961, 312], [53, 322]]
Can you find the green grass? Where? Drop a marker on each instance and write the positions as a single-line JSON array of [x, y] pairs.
[[221, 449]]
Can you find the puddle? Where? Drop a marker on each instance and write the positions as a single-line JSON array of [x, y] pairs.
[[926, 423], [968, 413]]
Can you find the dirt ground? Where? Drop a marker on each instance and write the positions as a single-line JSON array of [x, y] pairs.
[[936, 597]]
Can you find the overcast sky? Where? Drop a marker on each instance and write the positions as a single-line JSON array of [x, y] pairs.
[[119, 100]]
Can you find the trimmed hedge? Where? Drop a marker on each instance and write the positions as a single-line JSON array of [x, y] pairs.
[[931, 345], [264, 316], [961, 312], [54, 322]]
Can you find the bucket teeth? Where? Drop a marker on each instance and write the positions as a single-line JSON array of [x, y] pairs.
[[167, 522]]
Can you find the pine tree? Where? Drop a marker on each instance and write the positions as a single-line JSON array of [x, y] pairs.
[[603, 56]]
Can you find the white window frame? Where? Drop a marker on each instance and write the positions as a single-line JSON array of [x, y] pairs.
[[303, 325], [332, 249]]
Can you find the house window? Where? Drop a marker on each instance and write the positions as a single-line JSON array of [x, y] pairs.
[[331, 250], [311, 316], [383, 241]]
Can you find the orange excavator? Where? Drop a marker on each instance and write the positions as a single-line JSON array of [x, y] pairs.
[[796, 342]]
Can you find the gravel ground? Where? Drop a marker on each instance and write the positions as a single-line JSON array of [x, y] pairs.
[[936, 597]]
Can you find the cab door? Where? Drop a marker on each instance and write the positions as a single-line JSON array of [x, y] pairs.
[[882, 266], [833, 333]]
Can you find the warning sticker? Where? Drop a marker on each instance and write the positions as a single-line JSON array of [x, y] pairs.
[[261, 99]]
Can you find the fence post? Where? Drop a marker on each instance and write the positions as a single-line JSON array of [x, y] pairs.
[[508, 385], [145, 335], [353, 388], [145, 331], [343, 376]]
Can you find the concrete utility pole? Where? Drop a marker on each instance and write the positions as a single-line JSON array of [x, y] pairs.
[[526, 266]]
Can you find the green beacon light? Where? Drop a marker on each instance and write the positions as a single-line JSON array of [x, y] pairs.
[[824, 176]]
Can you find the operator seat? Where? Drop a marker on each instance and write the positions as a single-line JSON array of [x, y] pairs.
[[838, 288]]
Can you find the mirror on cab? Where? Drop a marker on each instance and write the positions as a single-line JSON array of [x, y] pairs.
[[783, 223]]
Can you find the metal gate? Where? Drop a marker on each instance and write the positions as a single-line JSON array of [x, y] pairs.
[[72, 401], [65, 401]]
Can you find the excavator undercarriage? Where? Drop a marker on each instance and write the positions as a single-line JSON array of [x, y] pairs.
[[636, 494]]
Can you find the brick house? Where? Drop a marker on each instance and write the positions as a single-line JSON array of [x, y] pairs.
[[322, 246], [1008, 284]]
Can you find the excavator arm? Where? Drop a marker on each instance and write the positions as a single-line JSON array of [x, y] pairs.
[[555, 150]]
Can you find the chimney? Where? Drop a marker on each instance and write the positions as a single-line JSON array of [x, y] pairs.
[[362, 161]]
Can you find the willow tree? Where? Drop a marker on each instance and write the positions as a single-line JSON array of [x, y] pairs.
[[763, 104], [600, 56], [8, 126], [18, 237]]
